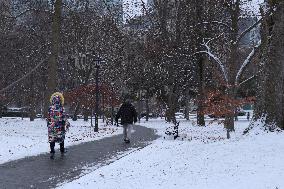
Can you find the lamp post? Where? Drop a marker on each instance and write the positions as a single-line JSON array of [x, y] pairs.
[[82, 62], [141, 95], [98, 62], [92, 108], [112, 109], [139, 104]]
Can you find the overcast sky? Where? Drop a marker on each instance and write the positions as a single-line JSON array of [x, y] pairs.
[[133, 7]]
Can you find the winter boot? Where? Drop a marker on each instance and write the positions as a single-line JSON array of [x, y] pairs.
[[52, 152], [62, 149]]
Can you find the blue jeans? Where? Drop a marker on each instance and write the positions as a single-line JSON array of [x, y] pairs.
[[127, 131]]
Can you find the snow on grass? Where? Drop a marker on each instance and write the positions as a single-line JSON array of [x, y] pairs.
[[188, 130], [21, 138], [251, 161]]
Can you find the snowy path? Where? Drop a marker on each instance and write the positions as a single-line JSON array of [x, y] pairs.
[[41, 172], [23, 138]]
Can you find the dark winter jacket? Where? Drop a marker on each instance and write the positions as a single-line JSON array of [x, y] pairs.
[[127, 113]]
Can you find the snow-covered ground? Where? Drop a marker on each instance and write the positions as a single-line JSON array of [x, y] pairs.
[[204, 159], [21, 138]]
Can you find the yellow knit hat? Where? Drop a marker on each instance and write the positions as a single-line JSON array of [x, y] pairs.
[[60, 96]]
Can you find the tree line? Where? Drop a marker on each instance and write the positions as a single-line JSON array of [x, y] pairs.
[[177, 50]]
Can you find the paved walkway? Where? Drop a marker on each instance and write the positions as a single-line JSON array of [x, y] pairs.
[[42, 172]]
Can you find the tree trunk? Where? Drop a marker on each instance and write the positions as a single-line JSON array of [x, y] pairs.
[[32, 112], [77, 108], [85, 113], [187, 100], [139, 106], [170, 113], [200, 64], [32, 100], [52, 64], [1, 109], [270, 100], [200, 96], [232, 68], [147, 109]]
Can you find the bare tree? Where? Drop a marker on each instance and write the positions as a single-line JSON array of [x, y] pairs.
[[229, 64], [55, 42], [269, 106]]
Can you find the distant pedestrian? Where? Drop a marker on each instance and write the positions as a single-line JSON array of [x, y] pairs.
[[57, 123], [248, 116], [236, 115], [128, 116]]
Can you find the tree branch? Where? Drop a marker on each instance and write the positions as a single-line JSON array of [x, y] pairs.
[[216, 59], [25, 12], [22, 78], [147, 12], [247, 80], [246, 62], [247, 30], [219, 23]]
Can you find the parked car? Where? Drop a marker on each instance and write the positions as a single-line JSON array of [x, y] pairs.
[[80, 116], [242, 113], [179, 115], [39, 115]]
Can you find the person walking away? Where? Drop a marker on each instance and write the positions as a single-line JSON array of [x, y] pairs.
[[128, 116], [248, 116], [57, 123]]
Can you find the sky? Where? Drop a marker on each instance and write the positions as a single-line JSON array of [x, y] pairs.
[[253, 6], [132, 7]]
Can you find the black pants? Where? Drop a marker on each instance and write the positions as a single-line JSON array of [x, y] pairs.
[[52, 145]]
